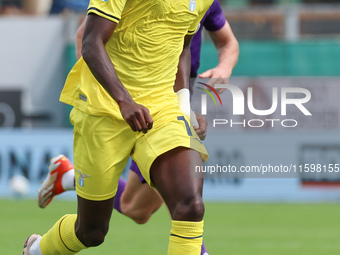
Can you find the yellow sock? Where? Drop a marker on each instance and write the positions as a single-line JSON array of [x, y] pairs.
[[185, 238], [61, 239]]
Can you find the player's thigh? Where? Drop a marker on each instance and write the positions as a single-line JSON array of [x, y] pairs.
[[172, 175]]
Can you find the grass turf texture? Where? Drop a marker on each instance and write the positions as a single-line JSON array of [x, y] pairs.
[[235, 229]]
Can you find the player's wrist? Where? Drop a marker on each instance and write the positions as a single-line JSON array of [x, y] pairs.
[[183, 97], [225, 68], [122, 102]]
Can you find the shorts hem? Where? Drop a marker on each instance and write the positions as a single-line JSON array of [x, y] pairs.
[[203, 153], [96, 197]]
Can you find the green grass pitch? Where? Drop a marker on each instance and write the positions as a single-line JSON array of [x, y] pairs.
[[230, 229]]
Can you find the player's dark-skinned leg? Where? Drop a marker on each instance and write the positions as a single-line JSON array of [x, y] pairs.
[[182, 194], [75, 232], [93, 220]]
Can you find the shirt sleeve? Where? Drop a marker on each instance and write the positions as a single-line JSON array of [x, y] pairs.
[[194, 26], [216, 19], [108, 9]]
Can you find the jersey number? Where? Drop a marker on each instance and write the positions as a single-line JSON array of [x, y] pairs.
[[186, 124]]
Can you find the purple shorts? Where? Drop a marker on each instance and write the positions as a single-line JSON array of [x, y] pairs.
[[134, 168]]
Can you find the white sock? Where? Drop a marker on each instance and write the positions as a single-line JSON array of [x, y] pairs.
[[67, 181], [35, 248]]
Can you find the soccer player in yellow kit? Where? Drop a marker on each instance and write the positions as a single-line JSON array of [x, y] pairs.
[[135, 53]]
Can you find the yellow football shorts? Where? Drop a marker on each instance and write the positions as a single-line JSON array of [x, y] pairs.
[[103, 144]]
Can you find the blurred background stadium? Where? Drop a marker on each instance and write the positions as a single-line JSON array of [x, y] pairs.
[[282, 43]]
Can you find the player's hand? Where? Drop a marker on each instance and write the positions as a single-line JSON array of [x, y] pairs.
[[217, 75], [137, 116], [201, 130]]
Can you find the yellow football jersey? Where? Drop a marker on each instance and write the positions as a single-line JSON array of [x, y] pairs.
[[144, 49]]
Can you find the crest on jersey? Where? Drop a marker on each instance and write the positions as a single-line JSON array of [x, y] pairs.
[[192, 5], [82, 177]]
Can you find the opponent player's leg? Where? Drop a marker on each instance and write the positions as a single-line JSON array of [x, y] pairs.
[[139, 201], [60, 178], [170, 173]]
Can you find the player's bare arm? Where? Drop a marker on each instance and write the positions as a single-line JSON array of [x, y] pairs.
[[184, 66], [97, 33], [182, 88], [228, 53], [79, 37], [227, 48]]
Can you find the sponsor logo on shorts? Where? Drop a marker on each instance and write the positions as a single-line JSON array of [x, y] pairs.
[[83, 97], [81, 180]]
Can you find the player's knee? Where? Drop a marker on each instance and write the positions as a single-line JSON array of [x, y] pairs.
[[142, 220], [139, 216], [191, 209], [92, 237]]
